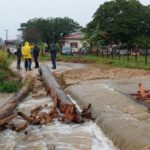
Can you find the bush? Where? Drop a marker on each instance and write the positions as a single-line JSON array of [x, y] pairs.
[[4, 61], [3, 76], [8, 79], [9, 86]]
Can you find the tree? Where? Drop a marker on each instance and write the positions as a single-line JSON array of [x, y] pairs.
[[34, 29], [42, 45], [48, 29], [95, 37], [124, 20]]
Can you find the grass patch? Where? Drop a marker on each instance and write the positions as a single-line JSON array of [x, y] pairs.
[[45, 57], [131, 63], [116, 61], [9, 81], [10, 86], [4, 61]]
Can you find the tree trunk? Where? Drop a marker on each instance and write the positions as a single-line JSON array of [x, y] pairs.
[[8, 108], [61, 100]]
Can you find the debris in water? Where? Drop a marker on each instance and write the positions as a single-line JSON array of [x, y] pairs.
[[86, 113], [6, 120], [65, 112], [142, 95], [63, 109]]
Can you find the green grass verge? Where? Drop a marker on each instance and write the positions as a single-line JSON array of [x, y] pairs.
[[10, 86], [116, 61], [9, 81]]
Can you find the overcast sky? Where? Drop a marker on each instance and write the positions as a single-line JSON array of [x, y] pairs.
[[15, 12]]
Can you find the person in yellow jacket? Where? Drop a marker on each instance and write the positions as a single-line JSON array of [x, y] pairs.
[[26, 52]]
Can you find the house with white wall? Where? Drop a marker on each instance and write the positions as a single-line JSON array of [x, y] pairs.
[[73, 40]]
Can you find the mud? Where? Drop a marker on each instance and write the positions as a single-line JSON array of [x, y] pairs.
[[71, 77], [38, 90], [78, 59]]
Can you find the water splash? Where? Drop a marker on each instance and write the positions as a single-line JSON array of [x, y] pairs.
[[58, 135]]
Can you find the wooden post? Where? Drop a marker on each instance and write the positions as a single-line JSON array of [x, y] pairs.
[[146, 53]]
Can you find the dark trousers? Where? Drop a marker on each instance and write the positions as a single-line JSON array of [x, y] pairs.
[[18, 62], [53, 58], [36, 61], [27, 64]]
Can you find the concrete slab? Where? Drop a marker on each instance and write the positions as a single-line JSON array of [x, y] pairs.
[[124, 121]]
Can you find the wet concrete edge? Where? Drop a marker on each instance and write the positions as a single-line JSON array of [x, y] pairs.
[[111, 128]]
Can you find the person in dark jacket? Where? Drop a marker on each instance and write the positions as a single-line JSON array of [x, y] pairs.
[[8, 52], [53, 54], [35, 56], [19, 55]]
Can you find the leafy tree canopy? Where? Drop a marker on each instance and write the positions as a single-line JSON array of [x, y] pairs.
[[125, 21], [48, 29]]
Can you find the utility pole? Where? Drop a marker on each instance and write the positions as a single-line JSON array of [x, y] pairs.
[[17, 39], [6, 34], [6, 41]]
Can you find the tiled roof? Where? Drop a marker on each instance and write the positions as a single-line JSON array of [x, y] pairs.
[[74, 36]]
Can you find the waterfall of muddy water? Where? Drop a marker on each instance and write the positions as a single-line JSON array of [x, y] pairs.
[[54, 136]]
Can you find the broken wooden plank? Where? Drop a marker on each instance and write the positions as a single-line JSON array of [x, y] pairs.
[[25, 117], [6, 120], [142, 90], [21, 127]]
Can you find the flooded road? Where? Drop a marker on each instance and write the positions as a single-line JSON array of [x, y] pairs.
[[124, 121], [53, 136]]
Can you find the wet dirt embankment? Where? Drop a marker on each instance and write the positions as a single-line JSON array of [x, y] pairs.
[[124, 121]]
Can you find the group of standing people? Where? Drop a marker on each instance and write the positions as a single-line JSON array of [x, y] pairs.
[[28, 51]]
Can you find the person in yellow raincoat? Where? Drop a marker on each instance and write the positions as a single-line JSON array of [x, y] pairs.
[[26, 52]]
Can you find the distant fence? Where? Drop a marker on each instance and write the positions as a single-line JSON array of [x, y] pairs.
[[140, 56]]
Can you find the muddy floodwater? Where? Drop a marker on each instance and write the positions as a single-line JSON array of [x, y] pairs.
[[53, 136]]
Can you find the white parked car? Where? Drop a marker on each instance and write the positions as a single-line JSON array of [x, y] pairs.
[[12, 49], [66, 50]]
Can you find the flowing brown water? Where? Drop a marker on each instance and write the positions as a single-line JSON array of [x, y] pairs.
[[54, 136]]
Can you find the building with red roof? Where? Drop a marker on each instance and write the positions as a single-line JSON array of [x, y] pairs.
[[73, 40]]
